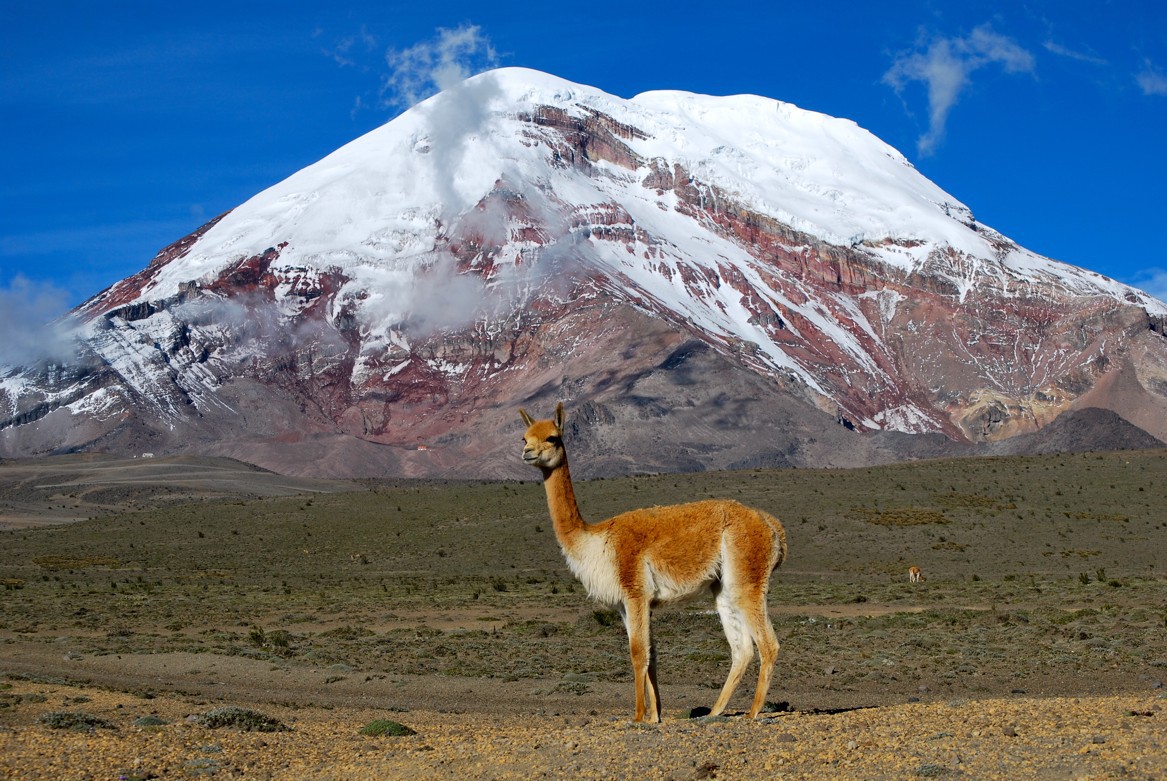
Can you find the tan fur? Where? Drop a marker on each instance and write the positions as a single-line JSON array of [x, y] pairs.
[[656, 555], [915, 575]]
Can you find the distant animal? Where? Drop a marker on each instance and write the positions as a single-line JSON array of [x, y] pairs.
[[915, 574], [649, 557]]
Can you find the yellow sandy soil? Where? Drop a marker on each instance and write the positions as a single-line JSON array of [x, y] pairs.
[[1121, 736]]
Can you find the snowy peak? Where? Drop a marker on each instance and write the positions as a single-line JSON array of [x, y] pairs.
[[482, 246], [381, 199]]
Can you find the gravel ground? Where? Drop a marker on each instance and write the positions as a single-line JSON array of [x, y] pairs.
[[1120, 736]]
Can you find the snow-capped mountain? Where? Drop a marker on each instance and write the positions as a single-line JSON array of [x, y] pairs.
[[734, 278]]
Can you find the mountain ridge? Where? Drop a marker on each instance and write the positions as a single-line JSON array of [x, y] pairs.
[[503, 242]]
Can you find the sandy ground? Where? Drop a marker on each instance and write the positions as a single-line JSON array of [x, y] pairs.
[[1058, 738], [489, 729]]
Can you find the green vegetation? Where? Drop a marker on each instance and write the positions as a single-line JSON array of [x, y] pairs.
[[241, 718], [75, 720], [382, 727]]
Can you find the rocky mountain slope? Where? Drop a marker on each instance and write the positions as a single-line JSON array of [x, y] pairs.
[[707, 282]]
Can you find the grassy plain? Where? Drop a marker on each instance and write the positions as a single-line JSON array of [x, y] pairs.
[[1045, 575]]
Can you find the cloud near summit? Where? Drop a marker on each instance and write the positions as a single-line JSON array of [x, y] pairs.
[[428, 67], [945, 67]]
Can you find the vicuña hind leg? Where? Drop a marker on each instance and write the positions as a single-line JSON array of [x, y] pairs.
[[767, 642], [740, 648]]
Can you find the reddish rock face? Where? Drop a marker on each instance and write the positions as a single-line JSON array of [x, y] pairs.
[[276, 363]]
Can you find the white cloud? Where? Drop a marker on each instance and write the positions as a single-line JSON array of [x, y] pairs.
[[34, 324], [455, 117], [439, 64], [945, 67], [1151, 80]]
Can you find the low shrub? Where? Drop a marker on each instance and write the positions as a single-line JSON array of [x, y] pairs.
[[241, 718], [75, 720], [380, 727]]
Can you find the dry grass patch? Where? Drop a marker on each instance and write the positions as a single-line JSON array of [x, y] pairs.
[[900, 516], [58, 562]]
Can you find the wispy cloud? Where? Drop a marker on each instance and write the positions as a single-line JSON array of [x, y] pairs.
[[428, 67], [34, 323], [254, 324], [412, 74], [455, 118], [1152, 80], [346, 51], [945, 66], [1054, 47]]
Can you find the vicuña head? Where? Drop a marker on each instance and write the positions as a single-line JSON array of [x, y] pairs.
[[644, 558]]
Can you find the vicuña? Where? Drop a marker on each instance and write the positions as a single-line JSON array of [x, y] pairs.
[[656, 555]]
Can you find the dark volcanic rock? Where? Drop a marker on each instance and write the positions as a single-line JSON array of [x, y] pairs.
[[1081, 431]]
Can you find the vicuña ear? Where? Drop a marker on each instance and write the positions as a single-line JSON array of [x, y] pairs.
[[526, 418], [560, 416]]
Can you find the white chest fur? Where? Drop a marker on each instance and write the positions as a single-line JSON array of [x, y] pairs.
[[593, 561]]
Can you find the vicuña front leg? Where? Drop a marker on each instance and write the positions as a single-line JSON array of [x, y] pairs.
[[636, 620], [653, 689]]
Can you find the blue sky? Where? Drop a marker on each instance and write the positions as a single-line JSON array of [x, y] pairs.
[[126, 125]]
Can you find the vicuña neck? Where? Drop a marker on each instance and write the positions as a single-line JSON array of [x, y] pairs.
[[561, 502]]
